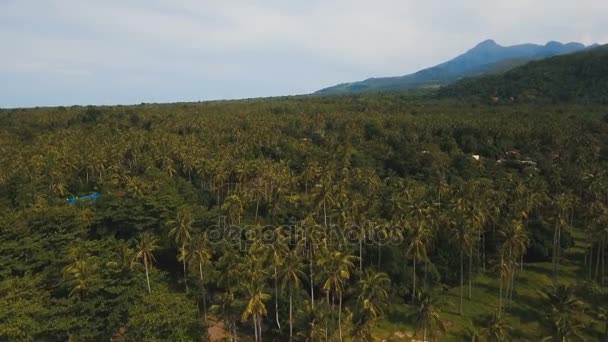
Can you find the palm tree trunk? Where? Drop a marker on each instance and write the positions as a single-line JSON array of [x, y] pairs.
[[184, 263], [325, 215], [276, 298], [260, 327], [500, 293], [590, 260], [200, 269], [470, 270], [340, 315], [512, 286], [554, 258], [290, 312], [597, 261], [424, 334], [147, 276], [461, 279], [559, 243], [257, 206], [255, 327], [483, 251], [414, 286], [603, 262], [361, 254], [312, 285]]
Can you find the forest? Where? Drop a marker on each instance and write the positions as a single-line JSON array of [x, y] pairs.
[[347, 218], [577, 77]]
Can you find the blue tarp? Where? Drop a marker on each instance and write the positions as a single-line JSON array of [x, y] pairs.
[[76, 199]]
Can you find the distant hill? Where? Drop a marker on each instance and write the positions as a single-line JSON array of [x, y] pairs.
[[581, 76], [486, 57]]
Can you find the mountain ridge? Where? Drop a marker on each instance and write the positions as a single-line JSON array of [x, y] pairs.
[[485, 57], [581, 76]]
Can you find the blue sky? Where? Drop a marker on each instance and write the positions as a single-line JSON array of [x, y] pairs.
[[64, 52]]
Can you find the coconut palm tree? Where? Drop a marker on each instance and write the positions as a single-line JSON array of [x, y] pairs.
[[493, 327], [181, 229], [80, 273], [291, 273], [144, 251], [256, 307], [373, 293], [461, 237], [563, 314], [373, 296], [201, 258], [234, 209], [417, 235], [338, 268], [426, 315]]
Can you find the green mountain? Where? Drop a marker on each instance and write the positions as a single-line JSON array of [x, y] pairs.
[[581, 76], [486, 57]]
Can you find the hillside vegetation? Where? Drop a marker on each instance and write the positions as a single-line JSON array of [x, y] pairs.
[[580, 77]]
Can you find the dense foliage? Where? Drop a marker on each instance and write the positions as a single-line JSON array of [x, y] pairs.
[[579, 77], [295, 218]]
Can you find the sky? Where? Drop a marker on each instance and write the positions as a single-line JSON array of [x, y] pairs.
[[77, 52]]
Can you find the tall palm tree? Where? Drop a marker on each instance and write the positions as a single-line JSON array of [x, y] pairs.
[[291, 272], [181, 229], [256, 308], [561, 206], [515, 243], [338, 267], [145, 248], [201, 258], [417, 236], [461, 236], [426, 315]]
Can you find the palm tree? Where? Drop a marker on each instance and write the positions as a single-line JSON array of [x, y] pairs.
[[201, 257], [291, 272], [256, 308], [373, 296], [145, 252], [494, 328], [80, 273], [417, 236], [182, 230], [426, 314], [560, 203], [514, 245], [234, 209], [374, 293], [338, 267], [563, 313], [461, 236]]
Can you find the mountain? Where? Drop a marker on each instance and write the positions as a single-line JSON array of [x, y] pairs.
[[486, 57], [580, 76]]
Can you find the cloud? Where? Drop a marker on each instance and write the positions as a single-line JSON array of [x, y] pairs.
[[274, 47]]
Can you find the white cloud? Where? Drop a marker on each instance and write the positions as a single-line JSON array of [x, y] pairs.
[[286, 45]]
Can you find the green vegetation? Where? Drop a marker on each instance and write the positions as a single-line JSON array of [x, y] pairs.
[[306, 218], [578, 77]]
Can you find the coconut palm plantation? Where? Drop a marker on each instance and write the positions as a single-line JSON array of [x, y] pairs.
[[150, 190], [353, 218]]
